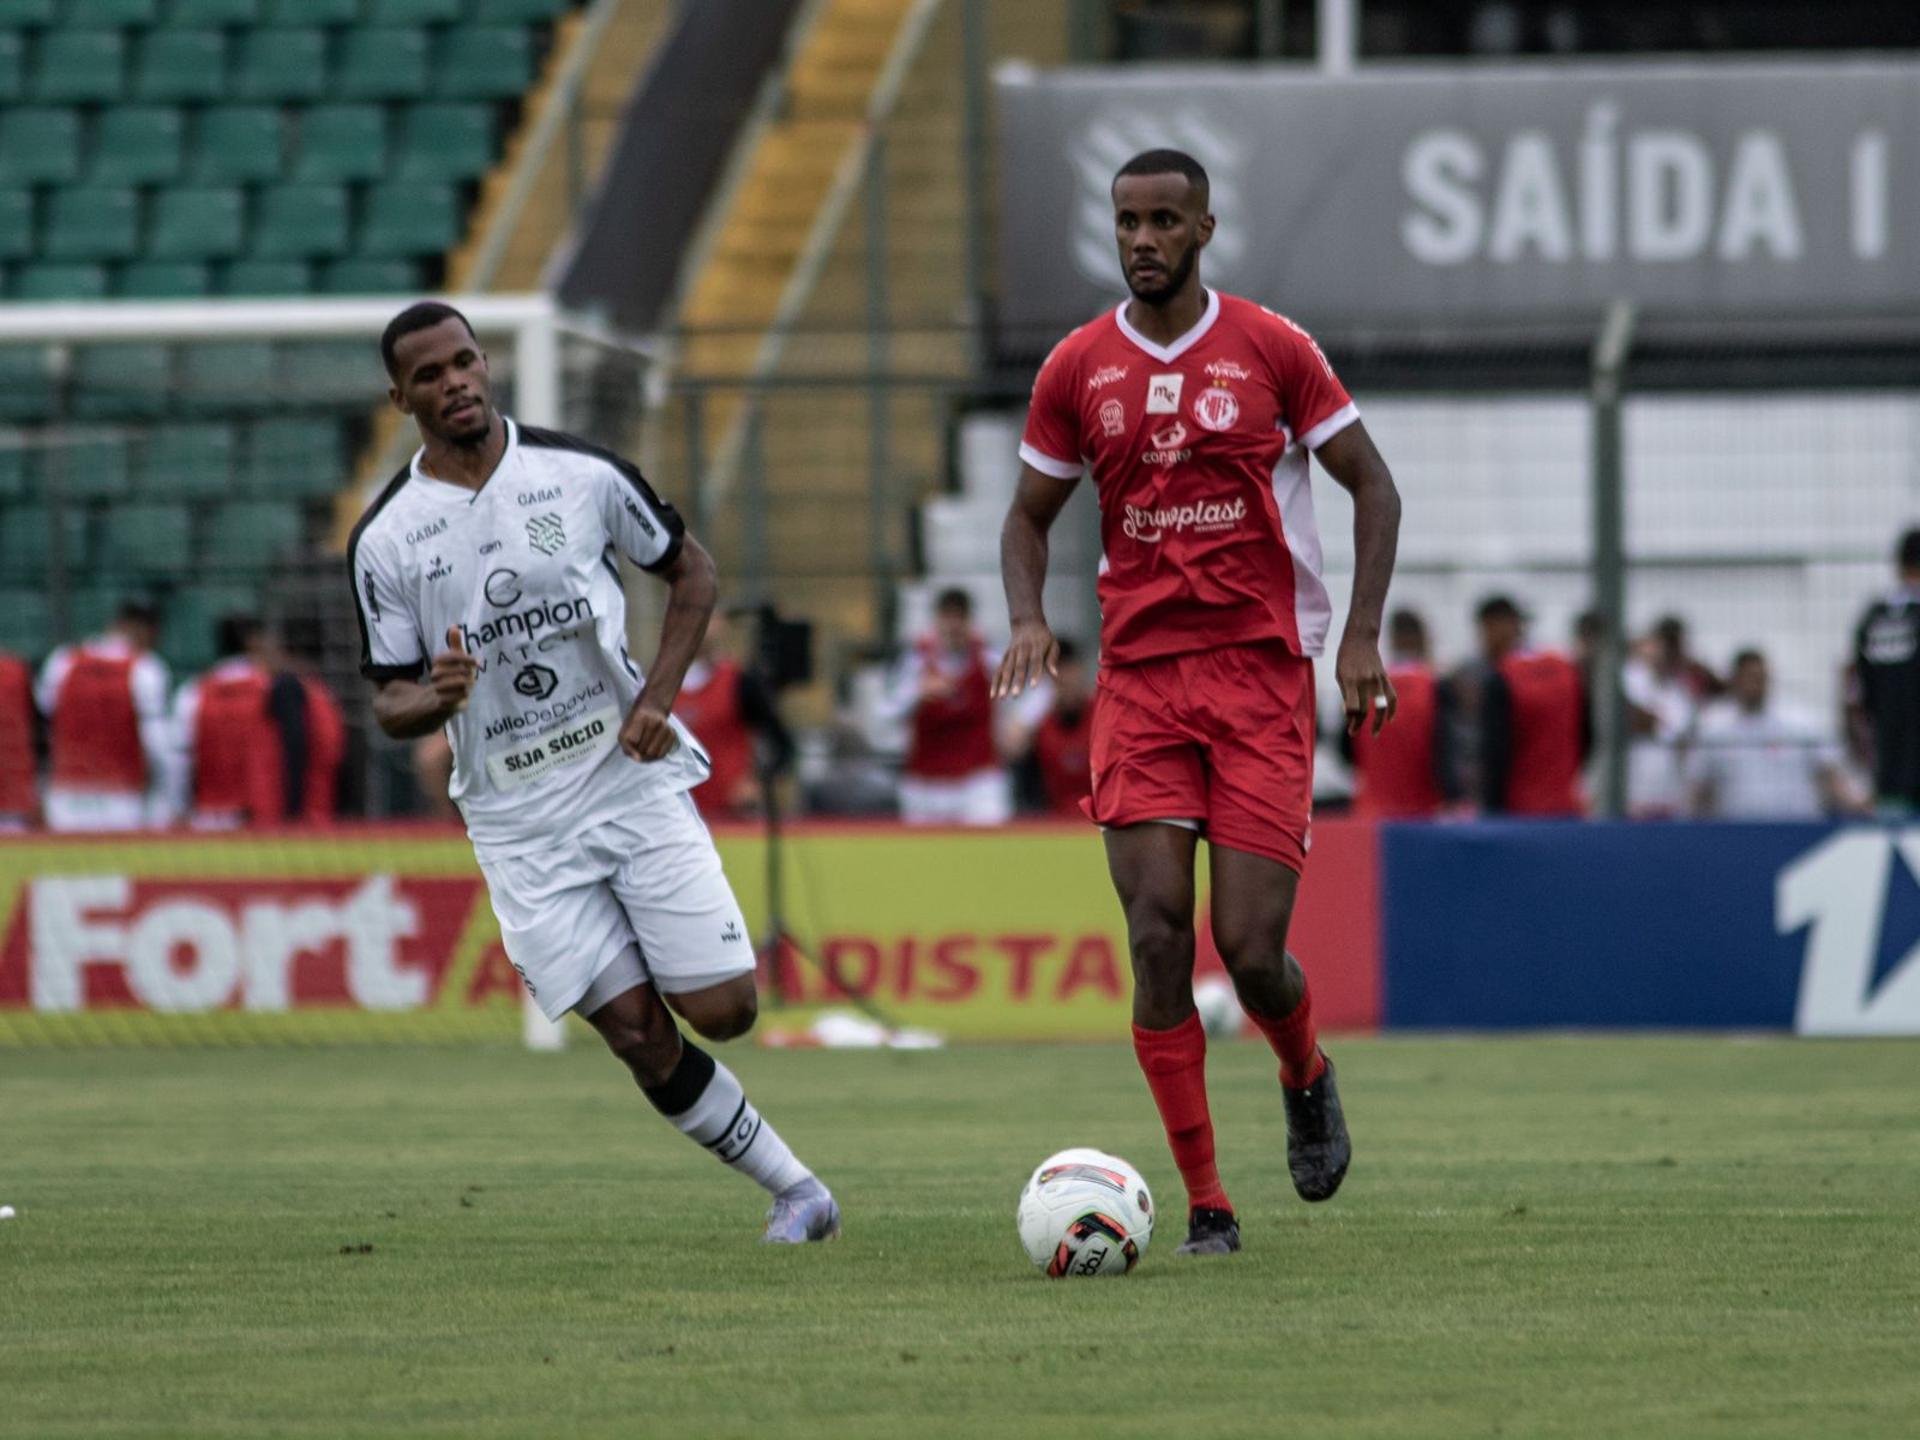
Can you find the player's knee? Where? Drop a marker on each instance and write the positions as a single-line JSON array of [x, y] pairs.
[[728, 1022], [1160, 941], [650, 1049]]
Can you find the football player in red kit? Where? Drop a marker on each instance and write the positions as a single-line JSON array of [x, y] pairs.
[[1196, 413]]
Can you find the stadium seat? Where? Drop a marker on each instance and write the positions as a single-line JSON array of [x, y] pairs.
[[105, 14], [446, 142], [60, 282], [189, 627], [282, 65], [80, 65], [180, 462], [332, 372], [39, 144], [145, 538], [311, 12], [409, 219], [371, 277], [27, 12], [269, 277], [16, 224], [92, 467], [213, 12], [234, 143], [137, 145], [182, 65], [485, 62], [227, 377], [164, 280], [121, 382], [26, 619], [26, 541], [342, 142], [387, 63], [13, 470], [297, 221], [519, 12], [415, 12], [13, 66], [252, 534], [198, 223], [294, 458], [92, 222], [26, 384]]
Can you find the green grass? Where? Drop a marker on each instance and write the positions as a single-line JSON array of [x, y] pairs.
[[1671, 1237]]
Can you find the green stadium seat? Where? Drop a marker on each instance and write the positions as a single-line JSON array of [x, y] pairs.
[[332, 372], [415, 12], [121, 382], [105, 14], [16, 224], [269, 277], [181, 462], [80, 65], [146, 538], [13, 66], [227, 377], [13, 470], [39, 145], [213, 12], [519, 12], [92, 222], [371, 277], [297, 221], [26, 384], [91, 603], [235, 143], [409, 219], [92, 467], [382, 63], [485, 62], [295, 457], [311, 12], [26, 541], [252, 534], [26, 619], [27, 12], [342, 142], [446, 142], [189, 627], [282, 65], [60, 282], [197, 224], [182, 65], [164, 280], [138, 145]]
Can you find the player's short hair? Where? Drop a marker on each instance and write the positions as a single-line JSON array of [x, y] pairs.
[[1168, 162], [1910, 550], [234, 633], [1069, 651], [954, 600], [135, 611], [1670, 630], [1748, 656], [423, 315], [1499, 607], [1406, 629]]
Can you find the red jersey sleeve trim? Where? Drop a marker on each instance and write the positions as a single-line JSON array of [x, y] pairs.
[[1047, 465], [1331, 426]]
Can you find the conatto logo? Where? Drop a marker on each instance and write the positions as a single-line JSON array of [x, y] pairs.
[[1169, 446], [1204, 517]]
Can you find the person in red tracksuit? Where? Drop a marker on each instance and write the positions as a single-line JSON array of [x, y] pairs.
[[953, 773], [730, 713], [1063, 741], [105, 700], [1406, 771], [19, 792], [1535, 726]]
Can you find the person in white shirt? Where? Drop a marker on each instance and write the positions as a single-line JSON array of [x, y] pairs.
[[1664, 687], [490, 606], [1757, 758]]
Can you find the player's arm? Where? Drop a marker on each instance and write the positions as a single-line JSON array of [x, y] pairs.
[[1032, 651], [1350, 457], [693, 589], [406, 708]]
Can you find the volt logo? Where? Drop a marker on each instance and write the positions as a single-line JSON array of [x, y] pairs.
[[1858, 895]]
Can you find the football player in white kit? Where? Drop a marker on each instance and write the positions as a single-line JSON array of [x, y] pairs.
[[494, 548]]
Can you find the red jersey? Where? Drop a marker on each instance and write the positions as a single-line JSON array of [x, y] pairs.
[[712, 711], [1199, 454], [233, 744], [1548, 706], [95, 723], [1064, 752], [19, 798], [1397, 768], [326, 747], [953, 734]]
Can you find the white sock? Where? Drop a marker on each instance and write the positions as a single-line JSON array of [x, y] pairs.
[[705, 1103]]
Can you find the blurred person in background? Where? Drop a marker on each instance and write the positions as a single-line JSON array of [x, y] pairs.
[[1535, 730], [1061, 751], [19, 767], [1886, 665], [235, 726], [312, 780], [727, 706], [1665, 688], [1758, 758], [953, 773], [1406, 771], [105, 700]]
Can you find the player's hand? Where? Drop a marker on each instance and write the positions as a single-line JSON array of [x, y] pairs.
[[1364, 687], [647, 736], [453, 673], [1032, 655]]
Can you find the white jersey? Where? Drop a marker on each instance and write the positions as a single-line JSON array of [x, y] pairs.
[[1764, 766], [525, 568]]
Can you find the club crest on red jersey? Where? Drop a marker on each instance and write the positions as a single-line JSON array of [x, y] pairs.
[[1113, 417], [1215, 408]]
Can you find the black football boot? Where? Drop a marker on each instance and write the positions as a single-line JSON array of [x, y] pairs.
[[1318, 1146], [1210, 1232]]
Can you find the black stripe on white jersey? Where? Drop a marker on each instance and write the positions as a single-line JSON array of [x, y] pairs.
[[379, 673], [668, 516]]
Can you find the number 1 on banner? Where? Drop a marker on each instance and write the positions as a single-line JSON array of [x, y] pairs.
[[538, 1032]]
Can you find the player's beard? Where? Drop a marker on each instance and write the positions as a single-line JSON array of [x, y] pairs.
[[1177, 277]]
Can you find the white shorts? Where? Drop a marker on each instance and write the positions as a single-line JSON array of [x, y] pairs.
[[982, 798], [650, 878]]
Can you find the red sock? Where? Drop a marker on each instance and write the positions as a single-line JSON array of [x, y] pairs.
[[1175, 1064], [1296, 1042]]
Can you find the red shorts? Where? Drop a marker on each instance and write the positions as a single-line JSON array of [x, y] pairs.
[[1223, 738]]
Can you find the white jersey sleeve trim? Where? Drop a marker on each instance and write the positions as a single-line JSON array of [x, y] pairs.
[[1331, 426], [1047, 465]]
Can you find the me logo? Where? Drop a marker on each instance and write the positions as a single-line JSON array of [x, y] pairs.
[[536, 682], [546, 534], [1841, 891]]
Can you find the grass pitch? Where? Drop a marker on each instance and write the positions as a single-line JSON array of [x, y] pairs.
[[1540, 1237]]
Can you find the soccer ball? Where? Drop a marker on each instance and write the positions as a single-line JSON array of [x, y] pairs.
[[1220, 1013], [1085, 1212]]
